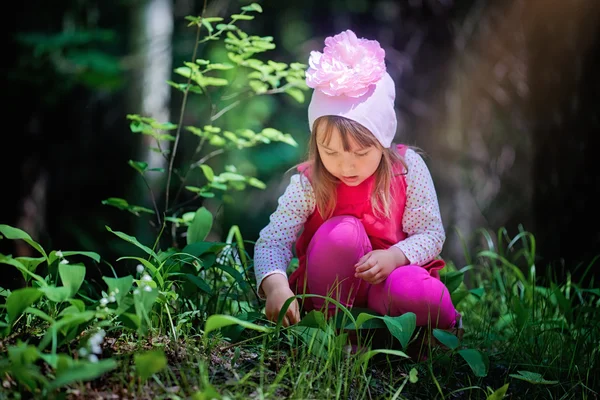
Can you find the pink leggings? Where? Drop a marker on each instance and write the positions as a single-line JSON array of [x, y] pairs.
[[331, 255]]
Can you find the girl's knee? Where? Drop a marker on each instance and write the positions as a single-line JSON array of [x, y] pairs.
[[412, 289], [340, 234]]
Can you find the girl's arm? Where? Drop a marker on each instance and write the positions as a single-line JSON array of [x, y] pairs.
[[273, 249], [422, 220]]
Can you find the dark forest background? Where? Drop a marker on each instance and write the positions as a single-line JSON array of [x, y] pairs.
[[502, 96]]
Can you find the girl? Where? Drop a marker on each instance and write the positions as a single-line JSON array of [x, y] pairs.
[[371, 230]]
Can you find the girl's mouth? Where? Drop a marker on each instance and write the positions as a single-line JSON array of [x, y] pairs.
[[350, 179]]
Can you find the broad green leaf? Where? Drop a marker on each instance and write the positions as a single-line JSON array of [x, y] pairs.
[[82, 371], [31, 263], [402, 327], [218, 321], [478, 361], [13, 233], [452, 280], [71, 276], [119, 286], [131, 321], [57, 294], [200, 226], [499, 393], [133, 241], [149, 363], [199, 282], [19, 300], [446, 338], [15, 263], [532, 377], [144, 302], [314, 319]]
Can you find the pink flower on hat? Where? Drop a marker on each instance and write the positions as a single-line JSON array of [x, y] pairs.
[[348, 65]]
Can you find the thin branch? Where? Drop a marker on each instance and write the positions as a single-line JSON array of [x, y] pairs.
[[181, 113]]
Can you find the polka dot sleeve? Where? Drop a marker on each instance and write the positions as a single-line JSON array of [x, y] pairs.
[[273, 249], [422, 220]]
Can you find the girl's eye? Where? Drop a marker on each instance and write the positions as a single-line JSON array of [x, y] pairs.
[[330, 154], [362, 154]]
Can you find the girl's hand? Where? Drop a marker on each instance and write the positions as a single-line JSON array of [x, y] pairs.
[[376, 266], [275, 301]]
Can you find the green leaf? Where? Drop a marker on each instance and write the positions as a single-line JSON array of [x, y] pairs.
[[71, 276], [122, 204], [413, 376], [232, 176], [15, 263], [446, 338], [314, 319], [259, 87], [532, 377], [139, 166], [149, 363], [218, 321], [208, 172], [296, 94], [452, 280], [90, 254], [19, 300], [253, 7], [119, 286], [82, 372], [402, 327], [200, 226], [133, 241], [478, 362], [256, 183], [219, 67], [499, 393], [12, 233], [199, 282], [365, 357], [242, 17], [57, 294]]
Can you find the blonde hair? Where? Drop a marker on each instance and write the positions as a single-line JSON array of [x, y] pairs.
[[324, 184]]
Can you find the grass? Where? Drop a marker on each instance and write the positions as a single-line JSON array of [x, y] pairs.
[[525, 337]]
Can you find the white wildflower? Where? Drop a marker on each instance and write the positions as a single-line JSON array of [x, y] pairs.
[[104, 301], [83, 352], [93, 358], [96, 349], [112, 299], [116, 290], [147, 278], [64, 261], [147, 288], [140, 268], [59, 254]]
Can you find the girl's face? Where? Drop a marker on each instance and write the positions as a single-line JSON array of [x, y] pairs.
[[351, 167]]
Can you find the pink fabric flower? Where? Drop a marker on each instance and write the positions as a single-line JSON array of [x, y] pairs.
[[348, 65]]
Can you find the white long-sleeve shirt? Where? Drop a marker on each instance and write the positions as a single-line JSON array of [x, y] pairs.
[[421, 221]]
